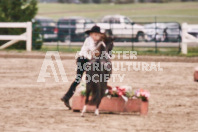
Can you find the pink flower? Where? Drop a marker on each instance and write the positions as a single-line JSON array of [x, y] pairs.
[[141, 93]]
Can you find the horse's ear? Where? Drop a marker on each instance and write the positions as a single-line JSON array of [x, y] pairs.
[[104, 35]]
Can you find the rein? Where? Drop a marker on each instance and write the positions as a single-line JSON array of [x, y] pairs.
[[101, 43]]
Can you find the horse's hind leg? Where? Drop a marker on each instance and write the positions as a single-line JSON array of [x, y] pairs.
[[97, 108], [86, 101], [102, 90]]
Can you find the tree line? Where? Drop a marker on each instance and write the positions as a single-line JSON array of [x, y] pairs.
[[119, 1]]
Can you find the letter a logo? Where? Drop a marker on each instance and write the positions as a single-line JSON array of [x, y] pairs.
[[48, 62]]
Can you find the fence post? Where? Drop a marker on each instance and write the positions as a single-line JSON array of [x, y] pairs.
[[29, 36], [155, 34], [184, 47], [132, 39]]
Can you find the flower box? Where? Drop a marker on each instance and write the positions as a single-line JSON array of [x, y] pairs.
[[196, 74], [112, 105]]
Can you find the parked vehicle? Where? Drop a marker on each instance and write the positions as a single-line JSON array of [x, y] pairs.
[[47, 28], [193, 31], [167, 32], [154, 31], [174, 32], [73, 28], [122, 27]]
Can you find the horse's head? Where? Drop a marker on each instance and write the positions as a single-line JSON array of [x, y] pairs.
[[109, 43], [105, 45]]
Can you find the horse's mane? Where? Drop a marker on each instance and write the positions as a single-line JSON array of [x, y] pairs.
[[108, 41]]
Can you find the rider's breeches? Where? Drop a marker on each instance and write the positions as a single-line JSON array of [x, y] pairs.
[[80, 70]]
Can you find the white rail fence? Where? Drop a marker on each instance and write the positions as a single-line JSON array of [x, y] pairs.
[[27, 36], [186, 37]]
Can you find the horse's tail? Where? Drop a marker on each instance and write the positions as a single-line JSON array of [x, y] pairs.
[[96, 95], [96, 90], [96, 87]]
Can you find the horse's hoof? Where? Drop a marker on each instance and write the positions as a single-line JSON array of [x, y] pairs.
[[96, 114], [82, 115]]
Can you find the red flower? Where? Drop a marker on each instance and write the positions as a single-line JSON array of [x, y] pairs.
[[116, 91], [121, 91]]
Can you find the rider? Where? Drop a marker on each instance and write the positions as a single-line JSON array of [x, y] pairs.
[[85, 55]]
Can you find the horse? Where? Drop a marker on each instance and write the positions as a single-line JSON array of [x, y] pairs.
[[104, 68]]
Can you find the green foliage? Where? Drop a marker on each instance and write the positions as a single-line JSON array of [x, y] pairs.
[[124, 1], [83, 93], [63, 1], [130, 94], [17, 11], [106, 1], [85, 1], [96, 1], [37, 38]]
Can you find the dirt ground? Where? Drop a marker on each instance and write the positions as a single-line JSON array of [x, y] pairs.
[[26, 105]]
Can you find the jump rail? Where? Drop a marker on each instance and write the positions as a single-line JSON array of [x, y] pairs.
[[27, 36], [186, 37]]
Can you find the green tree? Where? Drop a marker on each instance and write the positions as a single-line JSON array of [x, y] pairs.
[[17, 11], [85, 1], [96, 1], [63, 1]]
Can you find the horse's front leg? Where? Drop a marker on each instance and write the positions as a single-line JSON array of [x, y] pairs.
[[96, 111], [84, 110]]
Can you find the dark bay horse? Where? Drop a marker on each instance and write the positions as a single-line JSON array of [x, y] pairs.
[[98, 74]]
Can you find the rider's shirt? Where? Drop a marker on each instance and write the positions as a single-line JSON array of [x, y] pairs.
[[88, 47]]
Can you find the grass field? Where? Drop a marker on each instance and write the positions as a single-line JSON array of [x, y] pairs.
[[180, 12], [192, 51]]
